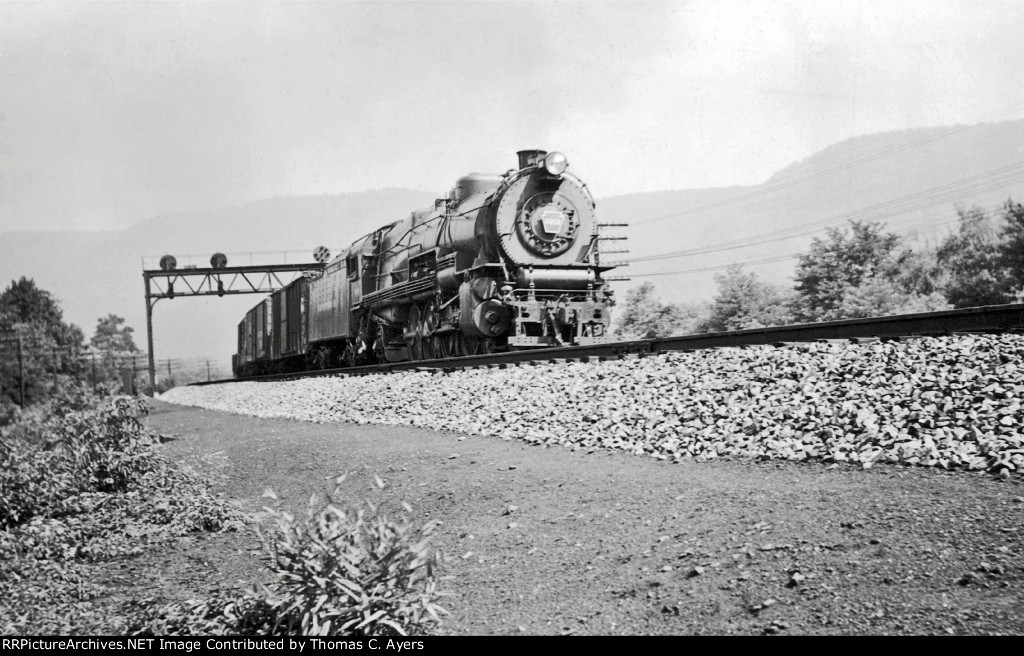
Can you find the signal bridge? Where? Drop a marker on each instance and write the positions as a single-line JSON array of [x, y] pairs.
[[218, 279]]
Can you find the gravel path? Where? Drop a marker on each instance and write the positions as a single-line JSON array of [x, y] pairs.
[[549, 540]]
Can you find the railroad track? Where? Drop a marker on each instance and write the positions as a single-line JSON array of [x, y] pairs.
[[988, 319]]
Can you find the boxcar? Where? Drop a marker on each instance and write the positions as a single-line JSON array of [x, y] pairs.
[[289, 337], [272, 337]]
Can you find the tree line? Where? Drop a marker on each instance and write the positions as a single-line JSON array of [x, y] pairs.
[[40, 353], [858, 271]]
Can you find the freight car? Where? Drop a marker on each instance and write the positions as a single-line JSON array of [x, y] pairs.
[[502, 262]]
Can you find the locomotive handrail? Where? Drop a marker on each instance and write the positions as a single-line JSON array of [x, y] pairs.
[[408, 232], [398, 290]]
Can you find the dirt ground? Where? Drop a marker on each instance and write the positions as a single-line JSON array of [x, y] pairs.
[[550, 541]]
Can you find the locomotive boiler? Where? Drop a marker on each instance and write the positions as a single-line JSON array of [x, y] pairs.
[[506, 261]]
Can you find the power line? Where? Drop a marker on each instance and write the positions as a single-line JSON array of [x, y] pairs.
[[928, 198], [890, 207], [768, 260], [836, 169], [717, 267]]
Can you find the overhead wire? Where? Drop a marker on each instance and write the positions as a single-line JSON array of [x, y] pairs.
[[716, 267], [945, 193], [779, 258], [885, 152]]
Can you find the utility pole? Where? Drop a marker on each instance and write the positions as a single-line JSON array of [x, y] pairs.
[[21, 373], [168, 371], [207, 371]]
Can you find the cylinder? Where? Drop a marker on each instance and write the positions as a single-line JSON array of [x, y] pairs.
[[447, 278]]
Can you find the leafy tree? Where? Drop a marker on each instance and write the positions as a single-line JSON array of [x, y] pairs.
[[112, 336], [841, 262], [973, 260], [25, 304], [743, 301], [644, 316], [686, 318], [881, 296], [113, 342], [920, 273], [49, 347], [1011, 247], [864, 272]]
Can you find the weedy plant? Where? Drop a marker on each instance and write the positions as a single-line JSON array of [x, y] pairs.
[[80, 482], [341, 570], [46, 462], [353, 570]]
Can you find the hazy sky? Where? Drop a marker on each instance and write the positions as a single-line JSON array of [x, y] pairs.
[[113, 113]]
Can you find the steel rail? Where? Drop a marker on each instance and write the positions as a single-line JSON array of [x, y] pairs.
[[988, 319]]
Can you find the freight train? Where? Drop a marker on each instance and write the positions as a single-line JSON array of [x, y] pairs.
[[508, 261]]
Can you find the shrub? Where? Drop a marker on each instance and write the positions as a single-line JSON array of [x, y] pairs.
[[341, 571], [81, 487], [73, 396], [223, 612], [86, 486], [9, 412], [44, 463], [354, 570]]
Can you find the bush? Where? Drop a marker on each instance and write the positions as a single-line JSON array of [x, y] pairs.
[[9, 412], [46, 462], [354, 571], [743, 302], [643, 316], [76, 396], [224, 612], [85, 486], [341, 571]]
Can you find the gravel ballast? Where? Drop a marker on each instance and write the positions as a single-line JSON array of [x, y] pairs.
[[951, 402]]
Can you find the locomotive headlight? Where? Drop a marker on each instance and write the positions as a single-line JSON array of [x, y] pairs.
[[555, 163]]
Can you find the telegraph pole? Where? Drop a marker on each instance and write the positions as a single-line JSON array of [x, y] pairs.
[[21, 374], [207, 371]]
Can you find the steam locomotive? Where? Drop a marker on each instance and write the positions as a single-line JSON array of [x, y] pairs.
[[506, 261]]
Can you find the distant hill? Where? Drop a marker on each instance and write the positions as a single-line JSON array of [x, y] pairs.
[[96, 273], [908, 179]]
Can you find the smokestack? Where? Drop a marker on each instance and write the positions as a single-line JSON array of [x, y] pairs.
[[530, 157]]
